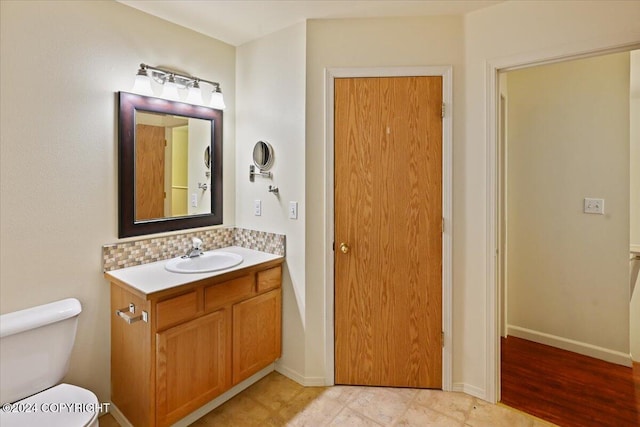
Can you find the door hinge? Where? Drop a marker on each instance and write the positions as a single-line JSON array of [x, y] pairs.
[[334, 246], [443, 224], [443, 110], [442, 339]]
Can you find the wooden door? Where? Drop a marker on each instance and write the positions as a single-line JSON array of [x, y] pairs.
[[257, 334], [149, 191], [192, 366], [388, 214]]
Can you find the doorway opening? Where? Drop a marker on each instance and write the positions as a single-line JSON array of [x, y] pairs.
[[563, 143]]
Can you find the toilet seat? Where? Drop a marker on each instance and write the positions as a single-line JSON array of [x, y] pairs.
[[64, 405]]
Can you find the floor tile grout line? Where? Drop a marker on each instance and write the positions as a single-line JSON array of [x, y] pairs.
[[406, 409], [361, 414], [393, 390], [275, 413], [466, 413], [255, 401], [344, 405]]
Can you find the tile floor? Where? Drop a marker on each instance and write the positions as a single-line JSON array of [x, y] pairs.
[[277, 401]]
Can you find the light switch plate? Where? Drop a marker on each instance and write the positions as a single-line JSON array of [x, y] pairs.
[[257, 207], [593, 206], [293, 210]]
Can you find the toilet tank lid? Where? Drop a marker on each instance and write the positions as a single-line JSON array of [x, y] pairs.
[[35, 317]]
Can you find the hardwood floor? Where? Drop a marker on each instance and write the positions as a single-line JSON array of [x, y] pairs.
[[566, 388]]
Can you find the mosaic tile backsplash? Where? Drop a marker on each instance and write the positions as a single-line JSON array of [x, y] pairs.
[[129, 254], [260, 241]]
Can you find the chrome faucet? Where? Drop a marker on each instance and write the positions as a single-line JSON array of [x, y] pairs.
[[196, 249]]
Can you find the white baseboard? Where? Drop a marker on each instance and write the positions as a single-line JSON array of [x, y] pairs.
[[470, 390], [205, 409], [585, 349], [300, 379]]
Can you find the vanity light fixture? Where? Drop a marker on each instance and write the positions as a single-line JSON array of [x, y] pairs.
[[170, 89], [171, 81], [217, 101], [142, 84], [194, 96]]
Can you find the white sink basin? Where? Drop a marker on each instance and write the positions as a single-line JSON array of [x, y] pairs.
[[205, 263]]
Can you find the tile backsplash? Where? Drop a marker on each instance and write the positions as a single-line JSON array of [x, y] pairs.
[[260, 241], [129, 254]]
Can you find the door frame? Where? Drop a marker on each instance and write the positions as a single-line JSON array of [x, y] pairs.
[[446, 72], [494, 284]]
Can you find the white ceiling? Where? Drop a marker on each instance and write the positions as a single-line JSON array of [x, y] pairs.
[[239, 21]]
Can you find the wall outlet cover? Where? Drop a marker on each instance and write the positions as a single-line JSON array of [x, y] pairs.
[[257, 207], [593, 206]]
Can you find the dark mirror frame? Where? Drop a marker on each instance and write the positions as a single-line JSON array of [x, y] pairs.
[[128, 104]]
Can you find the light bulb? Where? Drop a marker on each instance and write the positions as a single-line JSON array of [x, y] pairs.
[[194, 96], [170, 90], [142, 84], [217, 101]]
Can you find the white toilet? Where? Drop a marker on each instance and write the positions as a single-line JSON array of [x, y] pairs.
[[35, 346]]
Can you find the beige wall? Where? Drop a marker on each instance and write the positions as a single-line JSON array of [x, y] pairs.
[[62, 63], [568, 273], [271, 105], [393, 42]]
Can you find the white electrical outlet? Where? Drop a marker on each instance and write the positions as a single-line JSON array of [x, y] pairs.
[[293, 210], [194, 200], [594, 206], [257, 207]]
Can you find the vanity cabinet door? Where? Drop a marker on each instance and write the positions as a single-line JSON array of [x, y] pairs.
[[192, 365], [257, 333]]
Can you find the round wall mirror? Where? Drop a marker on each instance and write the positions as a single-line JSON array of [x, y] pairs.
[[263, 155]]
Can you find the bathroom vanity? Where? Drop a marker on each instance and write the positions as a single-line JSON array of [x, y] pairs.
[[180, 340]]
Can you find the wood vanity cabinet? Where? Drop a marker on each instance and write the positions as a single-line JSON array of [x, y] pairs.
[[191, 365], [201, 339], [256, 334]]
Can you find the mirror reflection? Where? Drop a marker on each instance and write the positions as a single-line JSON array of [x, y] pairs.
[[263, 155], [207, 158], [169, 166]]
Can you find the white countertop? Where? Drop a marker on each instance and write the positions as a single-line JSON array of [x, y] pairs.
[[152, 277]]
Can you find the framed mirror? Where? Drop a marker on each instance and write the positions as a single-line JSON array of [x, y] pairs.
[[160, 167], [263, 155]]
